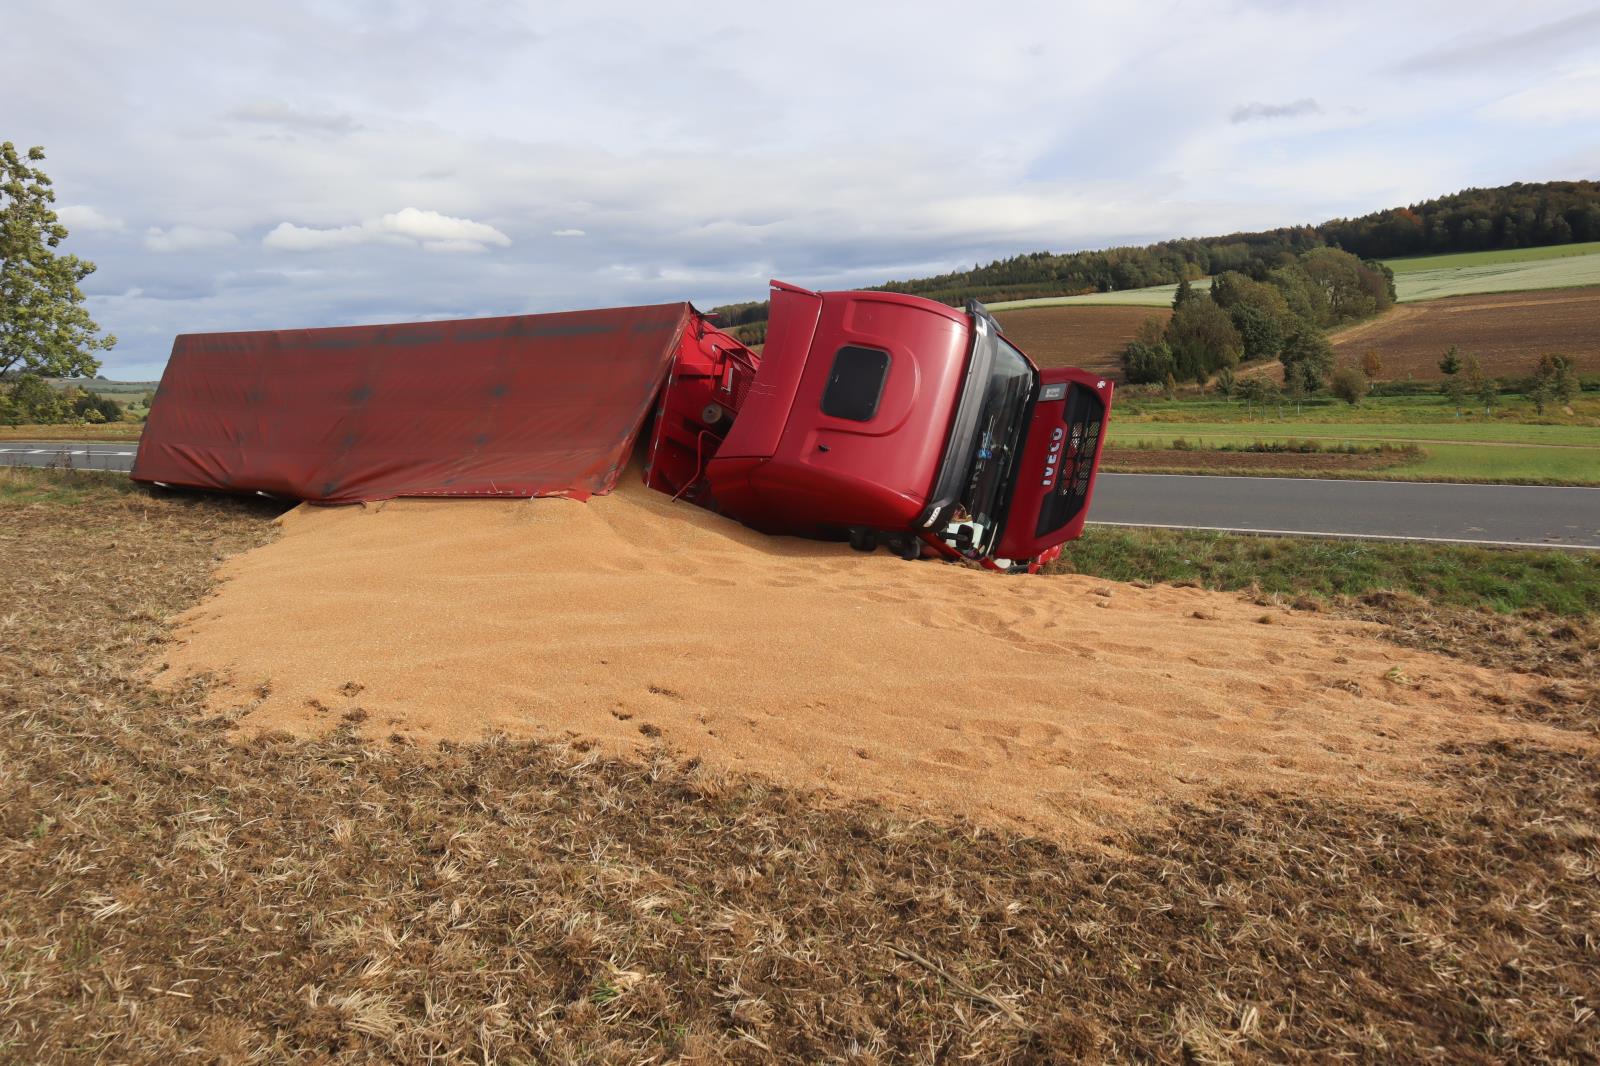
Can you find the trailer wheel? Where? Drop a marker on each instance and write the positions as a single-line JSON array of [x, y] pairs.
[[863, 540]]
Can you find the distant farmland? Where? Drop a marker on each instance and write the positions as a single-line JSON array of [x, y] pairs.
[[1432, 277], [1507, 332], [1088, 336]]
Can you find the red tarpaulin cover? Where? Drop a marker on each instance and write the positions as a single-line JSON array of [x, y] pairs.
[[532, 405]]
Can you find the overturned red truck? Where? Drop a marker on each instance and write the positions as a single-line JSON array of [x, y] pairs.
[[873, 417]]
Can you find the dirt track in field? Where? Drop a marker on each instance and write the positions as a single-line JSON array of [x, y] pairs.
[[1091, 337], [1062, 704], [1508, 333]]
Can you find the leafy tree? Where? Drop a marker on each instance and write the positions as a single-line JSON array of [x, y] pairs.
[[92, 407], [1202, 338], [1307, 360], [1258, 390], [1455, 391], [1259, 312], [44, 328], [1350, 288], [1169, 387], [1294, 390], [1147, 358], [1184, 294], [1451, 363], [1372, 364], [1553, 382], [1226, 382], [1349, 384], [1481, 385], [1305, 299], [31, 400]]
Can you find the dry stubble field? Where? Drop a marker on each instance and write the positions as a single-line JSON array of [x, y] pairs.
[[1088, 336], [174, 890], [1508, 332]]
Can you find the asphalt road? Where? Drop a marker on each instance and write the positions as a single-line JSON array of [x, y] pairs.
[[1400, 510], [101, 455]]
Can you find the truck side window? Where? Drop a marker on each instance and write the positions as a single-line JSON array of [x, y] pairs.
[[855, 384]]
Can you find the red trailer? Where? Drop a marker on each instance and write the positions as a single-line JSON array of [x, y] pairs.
[[875, 417]]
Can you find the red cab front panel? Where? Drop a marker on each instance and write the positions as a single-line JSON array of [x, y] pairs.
[[1050, 502]]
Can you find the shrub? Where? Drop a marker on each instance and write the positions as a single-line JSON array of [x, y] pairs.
[[1348, 384]]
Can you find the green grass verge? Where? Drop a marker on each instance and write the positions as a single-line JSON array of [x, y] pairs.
[[1564, 582], [1509, 453], [1429, 409], [20, 486], [102, 431]]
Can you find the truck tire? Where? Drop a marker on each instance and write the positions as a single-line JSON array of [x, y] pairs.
[[863, 540], [909, 548]]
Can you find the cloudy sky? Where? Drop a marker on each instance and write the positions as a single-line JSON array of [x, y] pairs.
[[234, 166]]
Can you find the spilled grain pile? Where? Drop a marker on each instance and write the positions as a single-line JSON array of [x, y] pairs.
[[1063, 703]]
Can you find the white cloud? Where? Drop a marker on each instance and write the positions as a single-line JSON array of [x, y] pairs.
[[287, 237], [275, 112], [566, 233], [1256, 112], [81, 217], [1571, 97], [182, 238], [431, 226], [433, 231]]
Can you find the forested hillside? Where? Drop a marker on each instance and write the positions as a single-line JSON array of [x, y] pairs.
[[1512, 216]]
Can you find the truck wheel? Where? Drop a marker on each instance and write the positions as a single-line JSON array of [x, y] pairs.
[[863, 540], [910, 548]]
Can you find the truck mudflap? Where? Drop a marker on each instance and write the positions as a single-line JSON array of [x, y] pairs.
[[1055, 485], [531, 405]]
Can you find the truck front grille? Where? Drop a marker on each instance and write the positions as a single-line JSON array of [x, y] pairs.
[[1083, 415]]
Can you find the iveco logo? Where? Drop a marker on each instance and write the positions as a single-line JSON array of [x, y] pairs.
[[1053, 458]]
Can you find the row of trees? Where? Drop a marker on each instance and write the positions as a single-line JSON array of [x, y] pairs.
[[1553, 383], [30, 400], [1511, 216], [1473, 220], [1282, 317]]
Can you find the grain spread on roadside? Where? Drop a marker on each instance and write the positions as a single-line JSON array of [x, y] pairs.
[[1059, 703]]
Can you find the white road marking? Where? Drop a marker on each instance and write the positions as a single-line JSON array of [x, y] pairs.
[[1354, 536], [1359, 480]]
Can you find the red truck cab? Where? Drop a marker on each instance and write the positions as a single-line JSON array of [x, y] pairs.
[[885, 418]]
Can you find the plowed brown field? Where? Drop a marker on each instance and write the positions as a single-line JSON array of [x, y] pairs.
[[1089, 337], [1508, 332]]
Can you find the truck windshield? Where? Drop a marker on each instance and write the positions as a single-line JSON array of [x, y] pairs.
[[1000, 436]]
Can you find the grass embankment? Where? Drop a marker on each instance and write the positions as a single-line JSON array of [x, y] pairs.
[[1560, 582], [128, 431], [169, 892]]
